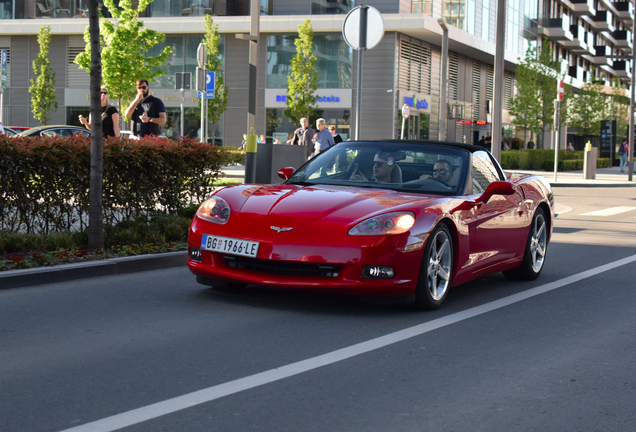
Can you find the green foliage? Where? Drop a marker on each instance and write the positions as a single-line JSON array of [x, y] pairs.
[[543, 160], [45, 181], [235, 157], [586, 109], [619, 110], [217, 106], [302, 83], [124, 42], [42, 89], [526, 107]]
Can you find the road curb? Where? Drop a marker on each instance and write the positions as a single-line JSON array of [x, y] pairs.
[[75, 271]]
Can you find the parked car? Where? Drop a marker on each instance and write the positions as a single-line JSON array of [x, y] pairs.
[[55, 130], [9, 131], [387, 218], [19, 128]]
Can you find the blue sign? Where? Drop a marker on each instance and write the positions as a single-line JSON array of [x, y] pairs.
[[209, 81], [209, 87], [4, 58], [412, 101], [332, 98]]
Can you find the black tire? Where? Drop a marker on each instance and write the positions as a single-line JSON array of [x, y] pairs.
[[535, 252], [437, 266]]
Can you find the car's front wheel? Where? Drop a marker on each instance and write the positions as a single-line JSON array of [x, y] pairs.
[[436, 270], [535, 252]]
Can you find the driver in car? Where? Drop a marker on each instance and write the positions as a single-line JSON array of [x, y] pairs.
[[442, 171]]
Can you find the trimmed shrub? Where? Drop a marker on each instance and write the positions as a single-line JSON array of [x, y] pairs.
[[45, 181]]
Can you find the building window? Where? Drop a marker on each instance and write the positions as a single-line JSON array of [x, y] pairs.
[[182, 59], [331, 7], [512, 30], [422, 6], [485, 19], [454, 13], [333, 64]]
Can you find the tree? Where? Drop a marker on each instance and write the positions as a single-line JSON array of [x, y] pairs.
[[540, 62], [95, 198], [217, 106], [302, 83], [619, 109], [586, 109], [43, 103], [526, 106], [123, 45]]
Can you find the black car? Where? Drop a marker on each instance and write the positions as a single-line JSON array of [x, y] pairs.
[[55, 130]]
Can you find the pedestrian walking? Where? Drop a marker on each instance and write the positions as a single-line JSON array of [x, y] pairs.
[[146, 111], [110, 117], [336, 137], [623, 153], [304, 136], [323, 138]]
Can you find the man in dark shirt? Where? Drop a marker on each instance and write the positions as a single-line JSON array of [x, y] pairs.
[[146, 111], [304, 136]]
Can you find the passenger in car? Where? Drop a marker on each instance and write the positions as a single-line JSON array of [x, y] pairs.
[[384, 170]]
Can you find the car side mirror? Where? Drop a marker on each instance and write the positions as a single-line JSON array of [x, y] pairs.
[[497, 188], [286, 173]]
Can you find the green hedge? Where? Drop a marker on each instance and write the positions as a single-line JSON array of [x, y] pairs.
[[540, 159], [44, 186]]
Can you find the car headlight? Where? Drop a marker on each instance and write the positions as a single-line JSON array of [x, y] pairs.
[[214, 209], [389, 223]]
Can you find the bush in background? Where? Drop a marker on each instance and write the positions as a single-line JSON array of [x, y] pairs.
[[542, 159], [45, 181]]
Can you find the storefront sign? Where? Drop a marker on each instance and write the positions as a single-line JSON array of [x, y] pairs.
[[81, 98], [417, 101], [325, 98]]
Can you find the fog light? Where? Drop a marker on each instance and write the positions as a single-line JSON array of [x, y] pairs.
[[377, 272], [195, 254]]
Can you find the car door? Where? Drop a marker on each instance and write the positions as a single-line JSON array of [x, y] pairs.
[[498, 227]]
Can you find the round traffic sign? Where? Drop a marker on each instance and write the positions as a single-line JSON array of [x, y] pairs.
[[351, 27], [406, 111], [561, 90]]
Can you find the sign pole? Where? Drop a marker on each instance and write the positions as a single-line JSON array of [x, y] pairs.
[[361, 35], [406, 112], [557, 106]]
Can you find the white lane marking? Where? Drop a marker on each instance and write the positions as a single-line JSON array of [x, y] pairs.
[[611, 211], [189, 400], [560, 209]]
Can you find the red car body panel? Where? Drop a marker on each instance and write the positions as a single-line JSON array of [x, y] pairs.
[[488, 237]]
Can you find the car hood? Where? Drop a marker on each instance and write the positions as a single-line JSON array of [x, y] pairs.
[[320, 202]]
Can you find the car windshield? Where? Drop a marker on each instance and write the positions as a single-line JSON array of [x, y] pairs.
[[402, 166]]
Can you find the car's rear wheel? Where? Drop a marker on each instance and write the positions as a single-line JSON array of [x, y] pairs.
[[436, 270], [536, 248]]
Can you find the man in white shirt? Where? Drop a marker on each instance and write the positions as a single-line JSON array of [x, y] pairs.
[[323, 138]]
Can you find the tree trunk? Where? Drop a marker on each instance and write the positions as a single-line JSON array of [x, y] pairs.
[[95, 213]]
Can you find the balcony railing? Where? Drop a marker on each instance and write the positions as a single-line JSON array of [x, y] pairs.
[[603, 21], [556, 28], [581, 7]]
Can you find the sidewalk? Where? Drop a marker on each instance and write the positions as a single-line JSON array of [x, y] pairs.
[[606, 177]]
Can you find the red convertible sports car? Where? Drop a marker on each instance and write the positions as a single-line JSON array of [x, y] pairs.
[[383, 218]]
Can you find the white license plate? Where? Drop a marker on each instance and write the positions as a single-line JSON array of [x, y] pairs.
[[229, 245]]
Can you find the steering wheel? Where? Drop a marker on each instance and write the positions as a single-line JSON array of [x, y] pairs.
[[442, 181]]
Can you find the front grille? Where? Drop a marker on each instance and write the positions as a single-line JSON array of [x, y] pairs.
[[285, 268]]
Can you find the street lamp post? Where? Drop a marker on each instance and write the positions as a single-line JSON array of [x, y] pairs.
[[495, 147], [442, 92], [630, 158]]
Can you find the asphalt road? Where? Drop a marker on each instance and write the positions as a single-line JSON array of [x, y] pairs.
[[155, 351]]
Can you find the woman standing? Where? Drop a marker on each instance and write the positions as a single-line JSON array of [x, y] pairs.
[[110, 117]]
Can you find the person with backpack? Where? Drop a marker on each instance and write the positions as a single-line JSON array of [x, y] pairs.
[[623, 152]]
